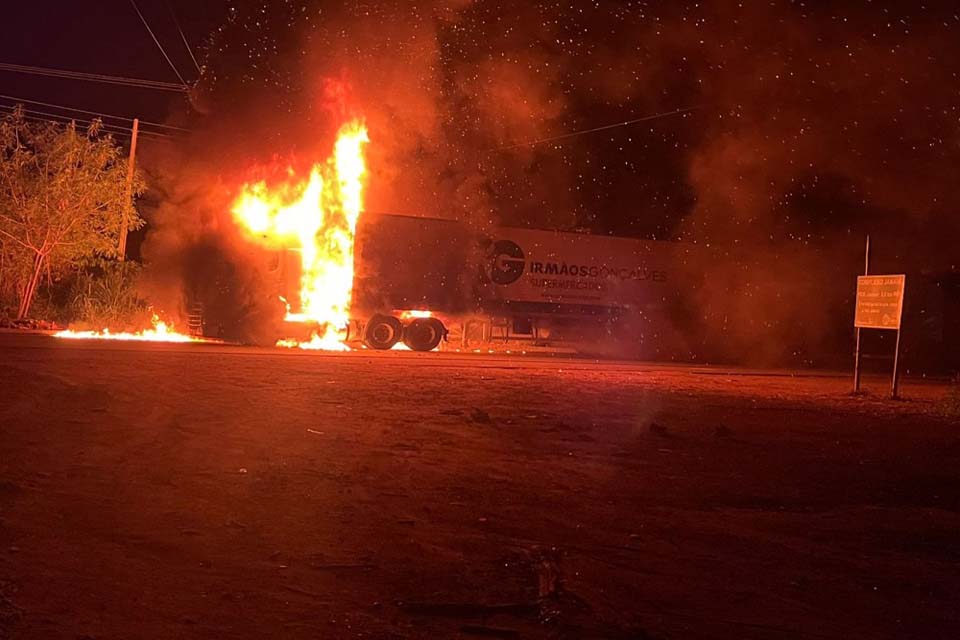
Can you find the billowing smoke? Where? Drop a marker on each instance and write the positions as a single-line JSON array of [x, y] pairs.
[[818, 129], [813, 126], [279, 81]]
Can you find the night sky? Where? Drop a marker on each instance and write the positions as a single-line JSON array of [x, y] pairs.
[[841, 104], [811, 124], [101, 37]]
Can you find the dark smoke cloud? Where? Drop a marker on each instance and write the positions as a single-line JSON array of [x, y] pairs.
[[278, 83], [815, 125], [828, 124]]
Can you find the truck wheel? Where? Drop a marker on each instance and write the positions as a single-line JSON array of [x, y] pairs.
[[382, 332], [424, 334]]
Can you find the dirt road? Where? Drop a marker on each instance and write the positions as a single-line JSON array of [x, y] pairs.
[[216, 492]]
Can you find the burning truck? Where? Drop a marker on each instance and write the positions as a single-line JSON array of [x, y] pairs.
[[428, 283], [354, 279]]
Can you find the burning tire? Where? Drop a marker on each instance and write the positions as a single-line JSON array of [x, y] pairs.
[[382, 332], [424, 334]]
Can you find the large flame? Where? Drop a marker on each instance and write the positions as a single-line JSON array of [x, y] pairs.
[[319, 216], [161, 332]]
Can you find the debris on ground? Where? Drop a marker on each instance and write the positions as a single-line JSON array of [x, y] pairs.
[[28, 324], [659, 429], [481, 416], [722, 431]]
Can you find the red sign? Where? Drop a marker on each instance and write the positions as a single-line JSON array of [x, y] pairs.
[[879, 301]]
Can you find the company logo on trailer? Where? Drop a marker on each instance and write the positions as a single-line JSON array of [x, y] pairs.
[[507, 262]]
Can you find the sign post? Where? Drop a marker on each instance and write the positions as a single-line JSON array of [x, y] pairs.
[[895, 384], [856, 357], [880, 306]]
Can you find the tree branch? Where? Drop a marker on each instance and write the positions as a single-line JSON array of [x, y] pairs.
[[19, 241]]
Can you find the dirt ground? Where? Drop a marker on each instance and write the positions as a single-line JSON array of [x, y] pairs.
[[193, 491]]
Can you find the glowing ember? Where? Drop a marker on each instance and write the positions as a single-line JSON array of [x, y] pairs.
[[330, 341], [161, 332], [416, 313], [319, 216]]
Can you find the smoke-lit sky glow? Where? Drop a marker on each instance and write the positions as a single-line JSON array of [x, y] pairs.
[[811, 118], [815, 123]]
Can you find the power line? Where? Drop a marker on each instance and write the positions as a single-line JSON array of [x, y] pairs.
[[182, 35], [118, 132], [93, 77], [32, 114], [655, 116], [159, 46], [57, 106], [57, 116], [92, 113], [85, 121], [42, 118]]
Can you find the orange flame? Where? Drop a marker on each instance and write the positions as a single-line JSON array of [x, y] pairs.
[[318, 215], [161, 332], [416, 313]]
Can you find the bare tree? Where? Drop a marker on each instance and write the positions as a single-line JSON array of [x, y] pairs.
[[62, 199]]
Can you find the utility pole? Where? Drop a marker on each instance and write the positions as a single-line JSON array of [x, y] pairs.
[[125, 221]]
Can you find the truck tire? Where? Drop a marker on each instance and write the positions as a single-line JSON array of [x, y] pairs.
[[424, 334], [382, 332]]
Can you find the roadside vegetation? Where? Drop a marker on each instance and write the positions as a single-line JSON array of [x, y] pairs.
[[63, 201]]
